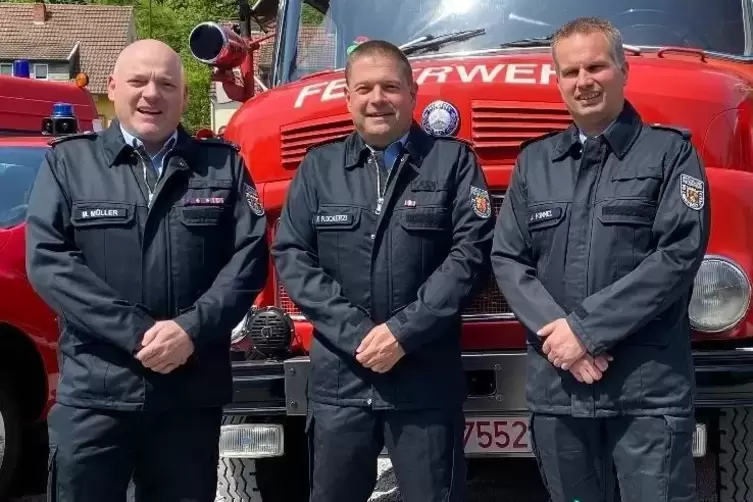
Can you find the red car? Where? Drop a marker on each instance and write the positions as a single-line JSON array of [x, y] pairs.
[[31, 113]]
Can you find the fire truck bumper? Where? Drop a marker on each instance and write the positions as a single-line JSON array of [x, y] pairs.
[[496, 413]]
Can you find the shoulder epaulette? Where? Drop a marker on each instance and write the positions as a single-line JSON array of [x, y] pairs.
[[536, 139], [682, 131], [218, 142], [452, 138], [323, 143], [61, 139]]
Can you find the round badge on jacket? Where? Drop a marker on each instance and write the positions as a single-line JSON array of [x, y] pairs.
[[440, 118]]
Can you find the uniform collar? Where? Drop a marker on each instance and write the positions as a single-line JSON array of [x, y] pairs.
[[116, 149], [415, 143], [132, 140], [620, 135], [400, 142]]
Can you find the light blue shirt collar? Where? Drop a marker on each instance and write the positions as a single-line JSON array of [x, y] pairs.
[[583, 137], [158, 158], [392, 152]]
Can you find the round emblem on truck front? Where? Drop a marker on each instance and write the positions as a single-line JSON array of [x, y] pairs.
[[440, 118]]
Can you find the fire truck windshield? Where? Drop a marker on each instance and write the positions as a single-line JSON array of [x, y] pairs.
[[317, 33], [18, 170]]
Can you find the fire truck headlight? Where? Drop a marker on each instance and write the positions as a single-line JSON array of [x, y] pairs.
[[721, 295]]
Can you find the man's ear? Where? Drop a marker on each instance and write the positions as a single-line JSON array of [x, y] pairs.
[[185, 97], [110, 88]]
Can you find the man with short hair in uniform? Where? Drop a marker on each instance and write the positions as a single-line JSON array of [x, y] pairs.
[[381, 240], [150, 246], [597, 245]]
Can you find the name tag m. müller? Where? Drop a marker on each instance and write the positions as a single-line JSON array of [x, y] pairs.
[[87, 214]]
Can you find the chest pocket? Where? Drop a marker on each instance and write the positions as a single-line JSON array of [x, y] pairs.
[[205, 202], [544, 220], [106, 233], [636, 181], [420, 241], [625, 232], [338, 238], [204, 215]]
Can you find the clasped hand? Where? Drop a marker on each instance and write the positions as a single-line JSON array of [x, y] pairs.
[[165, 346], [379, 351], [565, 351]]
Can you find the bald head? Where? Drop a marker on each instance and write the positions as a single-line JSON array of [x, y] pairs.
[[147, 87]]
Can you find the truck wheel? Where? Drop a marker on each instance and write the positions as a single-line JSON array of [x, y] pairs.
[[10, 437], [279, 479], [736, 455], [236, 477], [236, 481]]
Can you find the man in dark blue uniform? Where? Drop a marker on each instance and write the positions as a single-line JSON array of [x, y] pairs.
[[596, 248], [150, 246], [380, 242]]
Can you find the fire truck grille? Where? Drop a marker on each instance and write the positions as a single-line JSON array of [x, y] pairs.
[[487, 303], [296, 139], [499, 127]]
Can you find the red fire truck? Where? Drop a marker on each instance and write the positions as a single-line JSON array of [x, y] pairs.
[[485, 74], [31, 111]]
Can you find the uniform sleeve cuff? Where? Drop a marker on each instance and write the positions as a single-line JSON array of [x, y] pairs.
[[188, 321], [396, 325], [576, 326], [362, 325]]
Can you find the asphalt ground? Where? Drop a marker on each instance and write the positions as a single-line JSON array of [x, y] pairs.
[[498, 480]]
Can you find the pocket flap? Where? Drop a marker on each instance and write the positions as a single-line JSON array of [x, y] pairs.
[[209, 183], [426, 185], [630, 212], [540, 217], [90, 214], [336, 218], [199, 216], [637, 172], [430, 218]]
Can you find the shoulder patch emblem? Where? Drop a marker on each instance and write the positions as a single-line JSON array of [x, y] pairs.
[[480, 202], [252, 198], [692, 192]]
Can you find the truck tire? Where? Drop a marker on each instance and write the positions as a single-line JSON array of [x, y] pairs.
[[236, 481], [10, 436], [736, 455], [277, 479], [236, 477]]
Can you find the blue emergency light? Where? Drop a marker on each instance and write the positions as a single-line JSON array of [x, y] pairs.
[[21, 68], [62, 121], [62, 110]]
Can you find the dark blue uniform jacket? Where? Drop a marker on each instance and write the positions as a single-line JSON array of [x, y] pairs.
[[608, 235], [412, 264], [111, 265]]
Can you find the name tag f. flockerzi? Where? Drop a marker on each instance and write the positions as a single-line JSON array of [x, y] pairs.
[[692, 192]]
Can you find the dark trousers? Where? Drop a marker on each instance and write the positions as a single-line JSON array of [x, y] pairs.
[[652, 455], [425, 447], [171, 456]]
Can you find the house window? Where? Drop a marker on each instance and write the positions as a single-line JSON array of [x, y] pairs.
[[6, 69], [40, 71]]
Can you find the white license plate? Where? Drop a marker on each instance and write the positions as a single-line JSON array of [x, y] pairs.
[[497, 435]]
